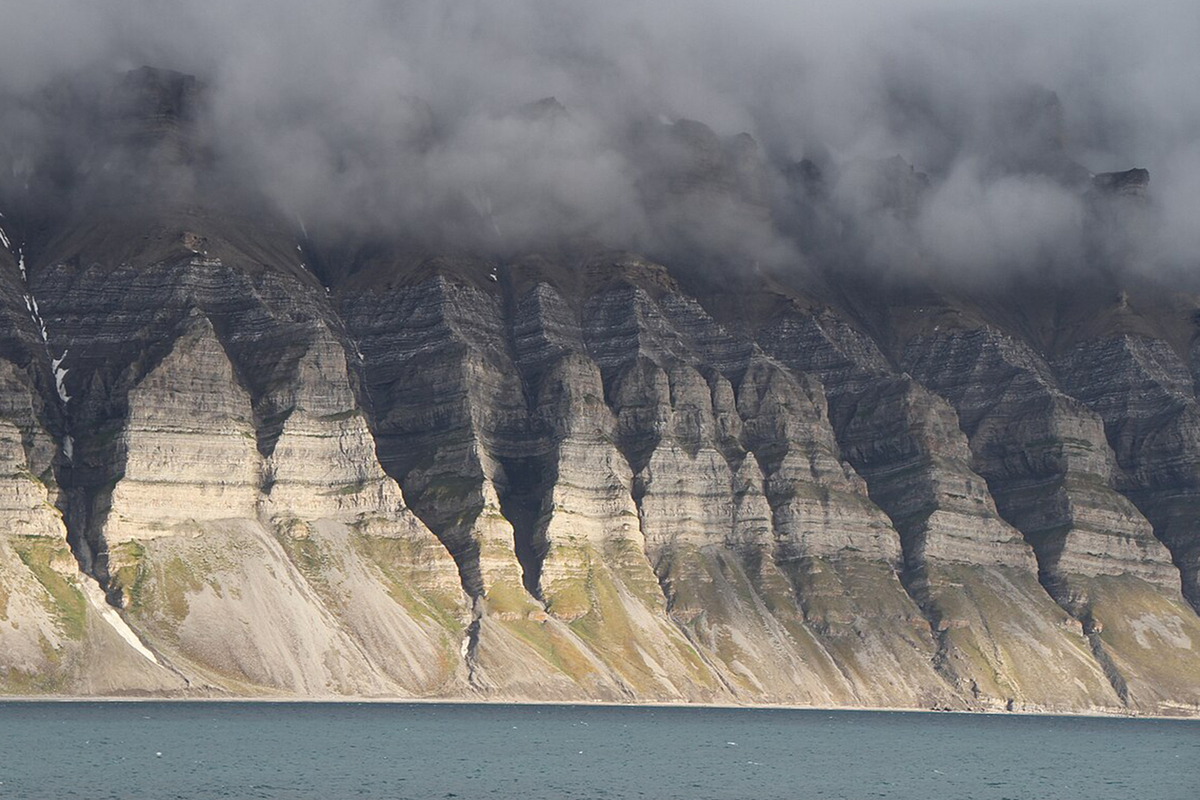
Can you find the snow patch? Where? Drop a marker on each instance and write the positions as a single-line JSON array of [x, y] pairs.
[[36, 315], [4, 238], [69, 448], [95, 598], [59, 375]]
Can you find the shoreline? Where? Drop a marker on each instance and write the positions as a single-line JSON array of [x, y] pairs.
[[1193, 716]]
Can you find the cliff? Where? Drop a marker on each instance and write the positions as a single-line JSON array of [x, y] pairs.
[[243, 464]]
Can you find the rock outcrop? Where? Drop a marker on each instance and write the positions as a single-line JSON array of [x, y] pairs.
[[960, 556], [521, 479], [1054, 477], [239, 461]]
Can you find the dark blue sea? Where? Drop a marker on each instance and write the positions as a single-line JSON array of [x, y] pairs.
[[431, 752]]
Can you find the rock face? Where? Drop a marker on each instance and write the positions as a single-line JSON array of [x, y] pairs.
[[237, 463], [523, 479], [1054, 477], [973, 575], [1143, 392], [220, 480]]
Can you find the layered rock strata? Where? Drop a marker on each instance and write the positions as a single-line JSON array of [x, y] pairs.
[[221, 480], [973, 575], [453, 477], [1050, 469], [239, 461], [1143, 392], [232, 472], [57, 632]]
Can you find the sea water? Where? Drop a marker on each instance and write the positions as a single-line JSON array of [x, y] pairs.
[[315, 751]]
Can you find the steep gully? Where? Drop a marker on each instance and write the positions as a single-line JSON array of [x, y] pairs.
[[92, 585]]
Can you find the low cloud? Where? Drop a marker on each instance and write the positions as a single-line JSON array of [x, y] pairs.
[[1016, 223], [414, 118]]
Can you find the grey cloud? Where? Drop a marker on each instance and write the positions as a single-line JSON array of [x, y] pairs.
[[397, 116], [1013, 222]]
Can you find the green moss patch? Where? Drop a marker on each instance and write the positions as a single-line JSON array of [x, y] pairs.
[[398, 560], [65, 601]]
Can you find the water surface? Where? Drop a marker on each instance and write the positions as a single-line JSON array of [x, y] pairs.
[[426, 752]]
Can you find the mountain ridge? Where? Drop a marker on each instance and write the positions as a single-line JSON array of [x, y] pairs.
[[309, 466]]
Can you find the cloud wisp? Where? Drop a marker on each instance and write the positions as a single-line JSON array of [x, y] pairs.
[[415, 117]]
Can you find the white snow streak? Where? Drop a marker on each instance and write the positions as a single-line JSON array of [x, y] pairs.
[[95, 597], [58, 384], [35, 313], [4, 238], [59, 375]]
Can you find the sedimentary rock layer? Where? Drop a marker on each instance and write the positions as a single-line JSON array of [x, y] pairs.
[[232, 472]]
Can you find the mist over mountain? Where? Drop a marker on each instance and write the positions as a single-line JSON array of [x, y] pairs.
[[420, 121]]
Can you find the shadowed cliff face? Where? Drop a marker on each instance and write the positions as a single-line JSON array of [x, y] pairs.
[[247, 458]]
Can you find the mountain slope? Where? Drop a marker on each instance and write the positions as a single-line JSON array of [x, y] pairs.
[[243, 461]]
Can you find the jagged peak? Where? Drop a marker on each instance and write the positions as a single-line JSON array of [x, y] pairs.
[[548, 109], [1131, 182], [165, 86]]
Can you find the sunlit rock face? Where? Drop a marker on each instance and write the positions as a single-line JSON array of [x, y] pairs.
[[238, 460]]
